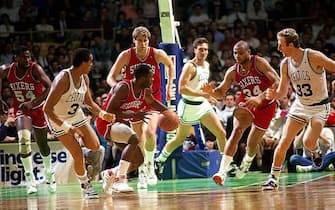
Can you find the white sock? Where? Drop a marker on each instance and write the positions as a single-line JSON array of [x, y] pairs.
[[164, 155], [149, 156], [248, 158], [47, 162], [27, 163], [225, 162], [123, 168], [83, 179]]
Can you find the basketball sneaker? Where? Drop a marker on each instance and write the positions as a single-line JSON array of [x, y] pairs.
[[142, 182], [303, 169], [231, 171], [270, 184], [219, 178], [88, 191], [120, 185], [151, 176], [317, 159], [51, 181], [107, 177], [31, 184], [159, 168], [243, 169]]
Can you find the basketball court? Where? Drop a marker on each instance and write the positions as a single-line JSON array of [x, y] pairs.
[[297, 191]]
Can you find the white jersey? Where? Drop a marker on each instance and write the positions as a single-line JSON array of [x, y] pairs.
[[70, 102], [310, 86], [201, 78]]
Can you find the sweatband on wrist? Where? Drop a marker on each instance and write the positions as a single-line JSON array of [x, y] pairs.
[[102, 113], [66, 126]]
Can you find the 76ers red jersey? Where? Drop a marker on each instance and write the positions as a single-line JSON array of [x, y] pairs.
[[252, 83], [131, 104], [25, 88], [149, 60]]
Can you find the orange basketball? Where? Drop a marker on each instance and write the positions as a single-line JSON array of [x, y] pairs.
[[168, 121]]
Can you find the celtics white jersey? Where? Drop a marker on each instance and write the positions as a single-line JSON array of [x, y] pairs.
[[310, 86], [201, 77], [70, 102]]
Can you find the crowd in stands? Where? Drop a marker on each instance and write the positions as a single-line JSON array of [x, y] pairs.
[[54, 28]]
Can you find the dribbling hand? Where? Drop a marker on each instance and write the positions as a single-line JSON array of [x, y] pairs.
[[270, 93]]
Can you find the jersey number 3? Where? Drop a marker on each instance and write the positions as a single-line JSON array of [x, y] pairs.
[[74, 109]]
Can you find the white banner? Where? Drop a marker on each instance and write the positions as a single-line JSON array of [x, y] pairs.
[[12, 172]]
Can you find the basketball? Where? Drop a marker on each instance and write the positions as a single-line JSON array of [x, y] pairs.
[[168, 120]]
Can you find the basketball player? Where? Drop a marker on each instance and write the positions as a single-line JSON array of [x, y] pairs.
[[305, 69], [127, 60], [128, 100], [194, 106], [65, 116], [253, 74], [30, 86]]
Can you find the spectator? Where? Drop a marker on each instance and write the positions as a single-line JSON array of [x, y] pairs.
[[198, 16], [229, 101], [9, 9], [150, 9], [129, 9], [8, 132], [303, 163], [6, 27], [6, 55], [45, 29], [236, 14], [257, 13], [102, 54]]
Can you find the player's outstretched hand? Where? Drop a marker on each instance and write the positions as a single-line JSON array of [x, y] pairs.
[[271, 93], [207, 88], [109, 117]]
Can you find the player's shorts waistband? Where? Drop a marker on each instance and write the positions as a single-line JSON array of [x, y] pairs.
[[186, 101], [324, 101]]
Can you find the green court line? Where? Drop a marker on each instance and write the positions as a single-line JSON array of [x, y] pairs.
[[252, 181]]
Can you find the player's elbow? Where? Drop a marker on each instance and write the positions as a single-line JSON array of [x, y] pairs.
[[46, 109], [182, 89]]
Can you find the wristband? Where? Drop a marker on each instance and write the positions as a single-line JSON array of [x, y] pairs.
[[66, 126], [102, 113]]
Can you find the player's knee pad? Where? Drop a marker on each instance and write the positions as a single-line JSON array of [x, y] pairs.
[[24, 141]]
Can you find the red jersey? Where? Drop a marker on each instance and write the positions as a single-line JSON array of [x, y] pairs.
[[131, 104], [252, 84], [149, 60], [25, 88]]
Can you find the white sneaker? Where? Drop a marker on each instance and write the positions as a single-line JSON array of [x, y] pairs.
[[219, 178], [31, 184], [88, 191], [51, 181], [303, 169], [31, 187], [270, 184], [142, 181], [120, 185], [151, 177], [107, 180], [243, 169]]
